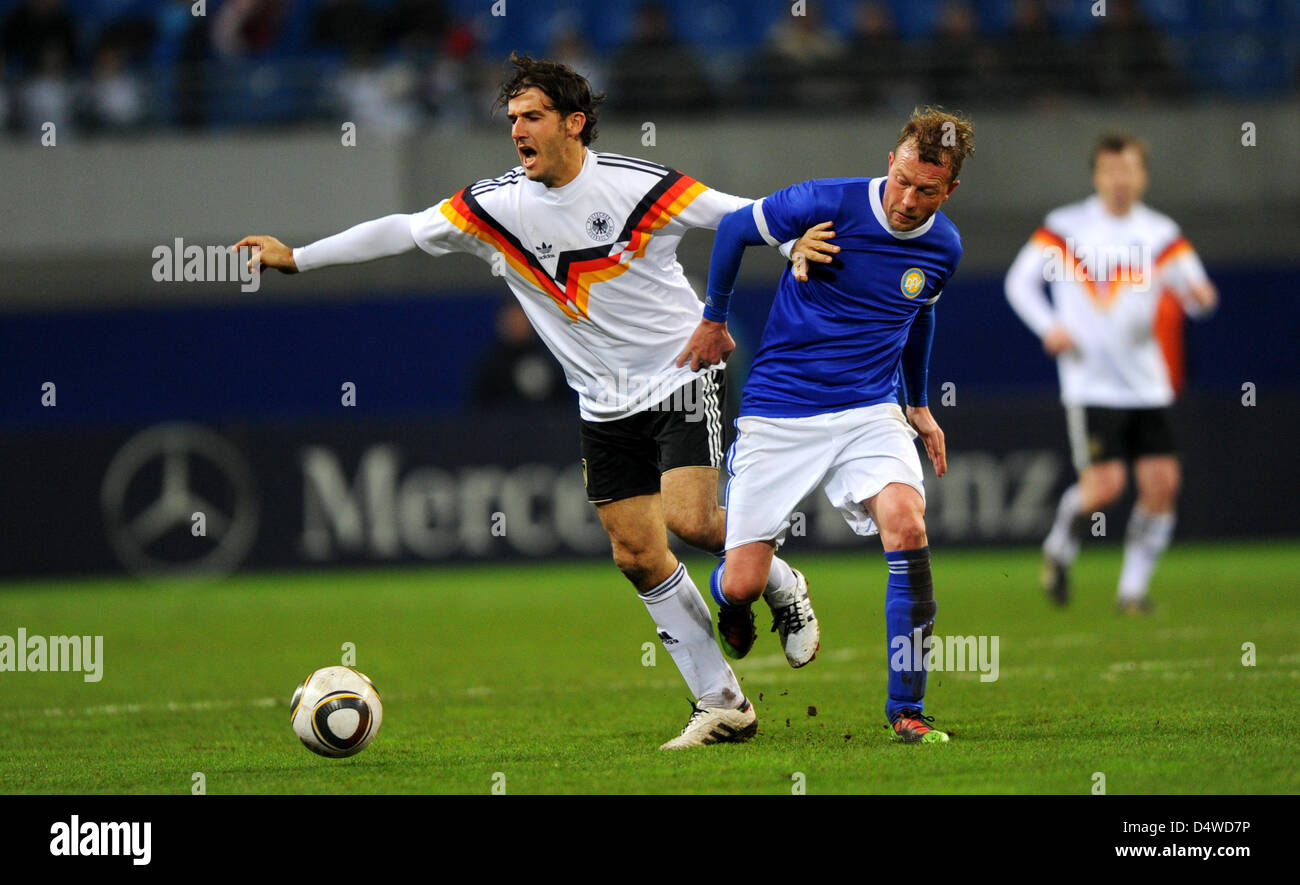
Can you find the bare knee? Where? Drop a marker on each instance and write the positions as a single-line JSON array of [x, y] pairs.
[[1101, 484], [742, 586], [744, 578], [645, 565], [905, 532], [1158, 485], [900, 516]]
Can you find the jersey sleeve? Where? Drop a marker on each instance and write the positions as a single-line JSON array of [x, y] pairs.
[[379, 238], [1178, 268], [447, 227], [704, 207], [786, 214], [1025, 281]]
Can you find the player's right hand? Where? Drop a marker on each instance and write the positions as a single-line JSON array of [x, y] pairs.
[[710, 344], [1057, 341], [812, 246], [267, 252]]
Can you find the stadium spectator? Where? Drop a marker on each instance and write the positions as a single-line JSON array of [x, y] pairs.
[[874, 66], [419, 26], [33, 28], [517, 370], [569, 46], [456, 84], [959, 65], [347, 25], [247, 27], [1128, 57], [1034, 62], [380, 97], [655, 72], [48, 96], [115, 99], [802, 60]]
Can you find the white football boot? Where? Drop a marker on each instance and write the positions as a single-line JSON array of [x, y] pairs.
[[793, 620], [716, 725]]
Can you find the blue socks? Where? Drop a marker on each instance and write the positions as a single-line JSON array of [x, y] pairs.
[[715, 585], [909, 622]]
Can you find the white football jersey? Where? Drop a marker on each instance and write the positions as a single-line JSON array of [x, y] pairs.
[[1106, 276], [594, 265]]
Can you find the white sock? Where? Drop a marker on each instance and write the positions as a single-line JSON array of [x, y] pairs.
[[686, 631], [1062, 543], [1147, 537], [780, 583]]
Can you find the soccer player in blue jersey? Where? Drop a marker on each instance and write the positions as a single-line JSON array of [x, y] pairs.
[[821, 403]]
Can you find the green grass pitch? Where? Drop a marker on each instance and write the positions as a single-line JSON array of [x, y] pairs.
[[533, 677]]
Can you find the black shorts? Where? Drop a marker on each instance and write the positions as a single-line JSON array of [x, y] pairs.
[[1099, 434], [625, 458]]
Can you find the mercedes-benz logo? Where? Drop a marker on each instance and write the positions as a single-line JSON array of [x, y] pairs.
[[155, 485]]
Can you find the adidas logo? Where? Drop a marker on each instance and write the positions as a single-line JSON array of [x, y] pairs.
[[666, 639], [545, 250]]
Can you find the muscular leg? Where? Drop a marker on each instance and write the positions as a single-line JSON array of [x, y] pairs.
[[1151, 524], [745, 575], [1098, 487], [692, 512], [639, 542], [899, 512]]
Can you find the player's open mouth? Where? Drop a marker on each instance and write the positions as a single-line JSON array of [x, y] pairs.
[[528, 156]]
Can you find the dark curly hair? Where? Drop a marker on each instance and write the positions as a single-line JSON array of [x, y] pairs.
[[568, 91]]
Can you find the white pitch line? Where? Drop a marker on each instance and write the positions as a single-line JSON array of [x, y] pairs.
[[761, 664]]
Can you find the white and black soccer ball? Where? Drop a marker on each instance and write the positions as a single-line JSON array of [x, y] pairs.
[[336, 711]]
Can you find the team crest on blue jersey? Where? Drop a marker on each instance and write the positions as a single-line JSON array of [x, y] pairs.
[[913, 282], [600, 227]]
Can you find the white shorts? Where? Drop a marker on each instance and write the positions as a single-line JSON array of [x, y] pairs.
[[775, 462]]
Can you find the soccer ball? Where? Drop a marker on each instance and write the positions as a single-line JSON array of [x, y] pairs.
[[336, 711]]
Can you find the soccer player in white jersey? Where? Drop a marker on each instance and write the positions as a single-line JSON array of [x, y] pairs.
[[820, 406], [1107, 260], [588, 244]]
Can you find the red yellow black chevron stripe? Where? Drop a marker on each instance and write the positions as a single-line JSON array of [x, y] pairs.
[[582, 269], [465, 212], [1080, 272], [577, 271], [1180, 246]]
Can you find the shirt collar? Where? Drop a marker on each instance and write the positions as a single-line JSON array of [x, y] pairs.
[[876, 188]]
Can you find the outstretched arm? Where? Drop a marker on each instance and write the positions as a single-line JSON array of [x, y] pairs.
[[380, 238], [712, 343]]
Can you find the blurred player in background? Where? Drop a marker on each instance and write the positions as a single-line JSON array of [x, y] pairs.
[[1107, 260], [587, 242], [821, 403]]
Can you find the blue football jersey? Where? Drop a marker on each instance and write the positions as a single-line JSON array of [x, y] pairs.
[[836, 341]]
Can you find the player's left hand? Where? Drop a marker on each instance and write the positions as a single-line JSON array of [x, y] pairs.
[[931, 435], [710, 344], [814, 245]]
